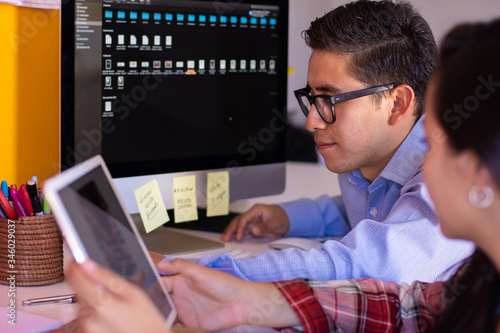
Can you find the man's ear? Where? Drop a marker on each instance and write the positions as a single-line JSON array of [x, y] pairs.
[[403, 97]]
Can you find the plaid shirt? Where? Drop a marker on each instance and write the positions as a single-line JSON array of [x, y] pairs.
[[363, 305]]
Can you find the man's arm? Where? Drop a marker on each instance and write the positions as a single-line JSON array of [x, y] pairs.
[[408, 245], [324, 216]]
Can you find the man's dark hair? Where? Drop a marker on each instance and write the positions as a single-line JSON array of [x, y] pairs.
[[386, 42]]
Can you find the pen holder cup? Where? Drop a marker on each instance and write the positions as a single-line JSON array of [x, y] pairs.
[[31, 251]]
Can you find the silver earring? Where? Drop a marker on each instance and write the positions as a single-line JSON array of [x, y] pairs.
[[481, 197]]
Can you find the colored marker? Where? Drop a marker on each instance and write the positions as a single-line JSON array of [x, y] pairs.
[[11, 214], [5, 188], [17, 202], [32, 191], [37, 207], [2, 214], [35, 179], [40, 194], [10, 200], [13, 186], [46, 208], [25, 200]]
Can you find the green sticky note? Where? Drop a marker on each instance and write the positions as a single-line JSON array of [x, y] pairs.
[[217, 193], [185, 208], [151, 206]]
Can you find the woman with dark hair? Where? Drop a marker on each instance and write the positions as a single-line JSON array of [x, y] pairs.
[[462, 171], [464, 99]]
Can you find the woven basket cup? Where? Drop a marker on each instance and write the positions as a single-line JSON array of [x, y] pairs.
[[31, 251]]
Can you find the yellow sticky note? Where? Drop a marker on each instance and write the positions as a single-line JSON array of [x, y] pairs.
[[217, 193], [151, 206], [185, 208]]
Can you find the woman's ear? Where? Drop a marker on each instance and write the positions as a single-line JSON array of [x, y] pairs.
[[483, 176], [404, 105], [473, 169], [482, 191]]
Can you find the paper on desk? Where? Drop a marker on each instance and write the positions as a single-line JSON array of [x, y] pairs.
[[46, 4], [185, 208], [151, 206], [217, 193], [26, 322]]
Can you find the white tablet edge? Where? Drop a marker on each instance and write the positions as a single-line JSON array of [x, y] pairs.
[[54, 184]]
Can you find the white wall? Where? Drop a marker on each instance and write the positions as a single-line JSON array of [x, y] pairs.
[[441, 15]]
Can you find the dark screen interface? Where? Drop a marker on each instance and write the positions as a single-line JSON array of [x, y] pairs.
[[177, 80]]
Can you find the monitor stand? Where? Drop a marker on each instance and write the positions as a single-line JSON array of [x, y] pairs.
[[204, 223], [167, 241]]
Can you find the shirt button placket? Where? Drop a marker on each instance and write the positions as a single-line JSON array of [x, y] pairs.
[[375, 197]]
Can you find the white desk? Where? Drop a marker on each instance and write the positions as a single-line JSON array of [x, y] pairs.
[[302, 180]]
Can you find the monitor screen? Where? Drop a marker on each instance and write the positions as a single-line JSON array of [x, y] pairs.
[[162, 87]]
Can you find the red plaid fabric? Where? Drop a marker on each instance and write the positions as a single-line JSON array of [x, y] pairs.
[[364, 305], [301, 297]]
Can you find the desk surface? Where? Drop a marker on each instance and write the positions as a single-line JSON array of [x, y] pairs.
[[67, 312], [302, 180]]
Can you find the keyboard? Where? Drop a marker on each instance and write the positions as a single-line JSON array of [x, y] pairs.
[[238, 254]]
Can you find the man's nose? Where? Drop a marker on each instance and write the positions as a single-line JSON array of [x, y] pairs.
[[314, 120]]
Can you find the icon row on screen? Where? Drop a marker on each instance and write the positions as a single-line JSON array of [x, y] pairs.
[[133, 40], [190, 18], [200, 64]]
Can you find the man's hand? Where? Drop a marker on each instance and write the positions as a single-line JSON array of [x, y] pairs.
[[259, 221]]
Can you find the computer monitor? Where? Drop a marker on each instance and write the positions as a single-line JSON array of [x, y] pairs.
[[164, 88]]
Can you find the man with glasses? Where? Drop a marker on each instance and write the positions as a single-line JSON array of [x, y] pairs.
[[369, 66]]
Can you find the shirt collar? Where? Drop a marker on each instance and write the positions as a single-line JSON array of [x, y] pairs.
[[408, 157], [406, 160]]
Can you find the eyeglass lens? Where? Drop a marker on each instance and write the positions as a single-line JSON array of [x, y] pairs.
[[323, 106]]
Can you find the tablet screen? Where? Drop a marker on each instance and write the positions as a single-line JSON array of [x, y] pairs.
[[106, 234]]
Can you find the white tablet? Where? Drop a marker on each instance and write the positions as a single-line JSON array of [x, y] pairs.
[[95, 225]]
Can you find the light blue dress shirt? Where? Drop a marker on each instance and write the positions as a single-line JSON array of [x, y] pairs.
[[390, 227]]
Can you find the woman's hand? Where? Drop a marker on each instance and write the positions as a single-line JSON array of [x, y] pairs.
[[109, 303], [209, 299]]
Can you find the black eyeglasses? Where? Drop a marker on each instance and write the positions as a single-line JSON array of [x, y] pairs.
[[325, 104]]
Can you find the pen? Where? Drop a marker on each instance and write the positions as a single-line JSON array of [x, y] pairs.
[[40, 195], [25, 199], [6, 207], [17, 202], [46, 207], [13, 186], [9, 198], [37, 208], [32, 191], [51, 300], [5, 188]]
